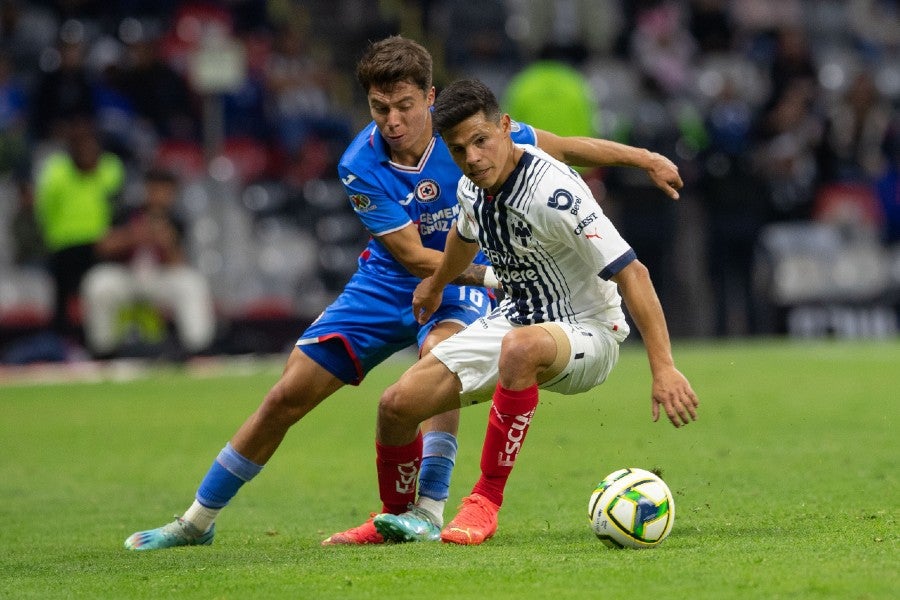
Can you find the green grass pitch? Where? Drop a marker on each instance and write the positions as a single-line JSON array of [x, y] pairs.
[[786, 487]]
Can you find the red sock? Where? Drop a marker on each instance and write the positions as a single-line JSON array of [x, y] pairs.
[[398, 470], [511, 413]]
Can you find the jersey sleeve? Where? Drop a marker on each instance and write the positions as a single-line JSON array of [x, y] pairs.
[[379, 213], [522, 133], [574, 215], [466, 227]]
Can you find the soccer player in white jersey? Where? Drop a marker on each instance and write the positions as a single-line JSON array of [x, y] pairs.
[[399, 179], [563, 266]]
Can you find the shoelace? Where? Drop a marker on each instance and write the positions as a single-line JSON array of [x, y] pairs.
[[474, 508]]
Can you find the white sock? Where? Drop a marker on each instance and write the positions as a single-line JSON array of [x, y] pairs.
[[434, 507], [201, 516]]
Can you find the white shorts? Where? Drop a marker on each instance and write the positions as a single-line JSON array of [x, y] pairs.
[[473, 355]]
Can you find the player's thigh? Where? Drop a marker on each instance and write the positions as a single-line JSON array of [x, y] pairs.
[[426, 389], [440, 332], [368, 322], [304, 383], [472, 354], [460, 306], [594, 352]]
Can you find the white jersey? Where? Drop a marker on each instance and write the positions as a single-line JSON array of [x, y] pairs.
[[549, 242]]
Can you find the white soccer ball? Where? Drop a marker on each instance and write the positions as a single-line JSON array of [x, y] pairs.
[[631, 508]]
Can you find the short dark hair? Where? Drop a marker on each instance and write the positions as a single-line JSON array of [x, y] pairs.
[[461, 100], [392, 60]]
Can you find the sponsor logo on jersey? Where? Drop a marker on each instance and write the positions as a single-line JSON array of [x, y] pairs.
[[361, 203], [585, 222], [350, 178], [576, 206], [517, 276], [561, 200], [511, 269], [441, 220], [514, 126], [427, 190]]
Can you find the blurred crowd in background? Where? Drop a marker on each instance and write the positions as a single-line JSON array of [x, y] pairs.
[[781, 115]]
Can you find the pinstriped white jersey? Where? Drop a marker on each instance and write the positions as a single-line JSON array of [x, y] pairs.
[[549, 242]]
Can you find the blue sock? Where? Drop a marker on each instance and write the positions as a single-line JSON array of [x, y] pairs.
[[225, 477], [438, 458]]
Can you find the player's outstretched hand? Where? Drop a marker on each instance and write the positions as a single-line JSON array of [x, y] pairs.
[[426, 300], [665, 175], [673, 392]]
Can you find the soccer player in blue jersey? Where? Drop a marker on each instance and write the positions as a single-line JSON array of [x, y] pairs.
[[401, 181], [562, 265]]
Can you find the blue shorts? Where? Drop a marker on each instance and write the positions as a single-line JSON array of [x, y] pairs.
[[372, 319]]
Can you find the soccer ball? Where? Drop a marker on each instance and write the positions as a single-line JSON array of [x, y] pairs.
[[631, 508]]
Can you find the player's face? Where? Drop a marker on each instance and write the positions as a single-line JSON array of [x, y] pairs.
[[483, 150], [402, 115]]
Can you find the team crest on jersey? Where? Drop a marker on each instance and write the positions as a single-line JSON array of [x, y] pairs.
[[522, 232], [427, 190], [361, 203]]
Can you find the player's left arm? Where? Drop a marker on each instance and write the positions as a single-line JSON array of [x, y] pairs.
[[671, 389], [580, 151]]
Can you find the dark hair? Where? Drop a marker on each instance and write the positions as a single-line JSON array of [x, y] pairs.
[[461, 100], [392, 60]]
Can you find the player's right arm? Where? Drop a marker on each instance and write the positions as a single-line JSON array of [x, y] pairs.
[[457, 256], [406, 246]]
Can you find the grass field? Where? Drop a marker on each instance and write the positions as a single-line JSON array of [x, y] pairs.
[[786, 487]]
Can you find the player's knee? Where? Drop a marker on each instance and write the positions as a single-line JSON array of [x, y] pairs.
[[393, 408], [389, 406], [520, 352]]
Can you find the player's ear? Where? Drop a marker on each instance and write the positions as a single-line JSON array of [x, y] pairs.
[[429, 97], [506, 123]]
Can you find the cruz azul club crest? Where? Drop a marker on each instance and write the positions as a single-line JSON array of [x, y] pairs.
[[427, 190]]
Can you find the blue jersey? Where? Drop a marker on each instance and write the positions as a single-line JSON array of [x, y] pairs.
[[372, 318], [388, 197]]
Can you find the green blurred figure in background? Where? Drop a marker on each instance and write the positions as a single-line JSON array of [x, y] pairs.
[[552, 94]]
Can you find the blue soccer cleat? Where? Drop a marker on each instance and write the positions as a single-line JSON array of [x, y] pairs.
[[177, 533], [415, 525]]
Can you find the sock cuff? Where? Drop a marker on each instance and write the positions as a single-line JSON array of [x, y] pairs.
[[440, 443], [236, 464], [515, 402], [400, 453]]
